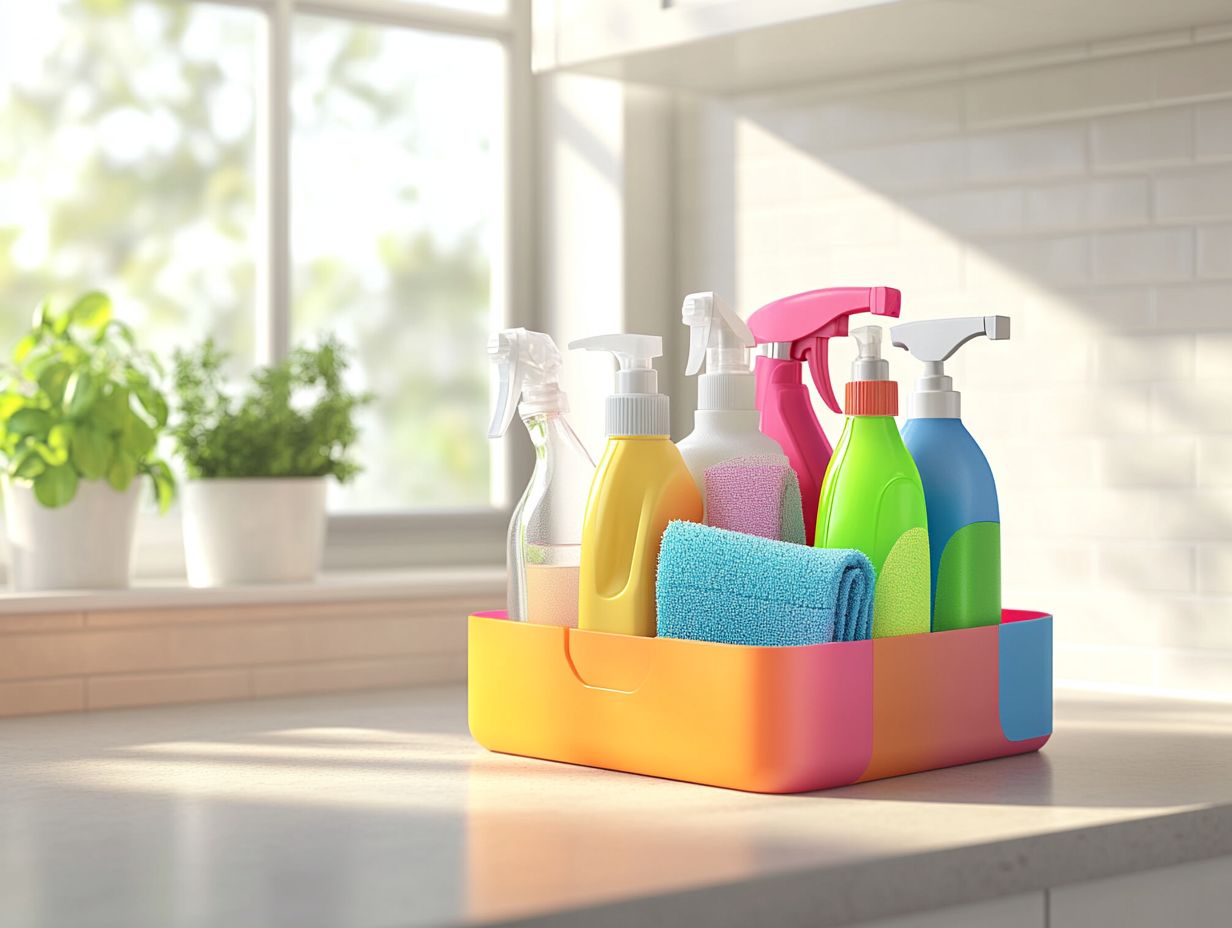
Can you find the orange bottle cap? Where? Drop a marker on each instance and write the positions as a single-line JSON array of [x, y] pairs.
[[871, 398]]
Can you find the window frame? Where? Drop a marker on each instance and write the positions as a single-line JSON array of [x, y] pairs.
[[395, 538]]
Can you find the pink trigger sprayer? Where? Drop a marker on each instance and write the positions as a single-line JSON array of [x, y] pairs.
[[794, 330]]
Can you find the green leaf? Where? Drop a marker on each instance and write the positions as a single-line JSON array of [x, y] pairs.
[[30, 421], [60, 436], [92, 311], [153, 403], [56, 486], [91, 453], [25, 346], [52, 380], [54, 456], [10, 402], [42, 314], [121, 471], [164, 484], [113, 410], [80, 393], [28, 465], [140, 439]]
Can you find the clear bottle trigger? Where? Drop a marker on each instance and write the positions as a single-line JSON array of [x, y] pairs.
[[716, 334], [528, 367]]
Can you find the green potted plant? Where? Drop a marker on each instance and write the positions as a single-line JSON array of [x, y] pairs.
[[258, 463], [80, 418]]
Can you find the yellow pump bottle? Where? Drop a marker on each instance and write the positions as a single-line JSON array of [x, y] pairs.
[[640, 485]]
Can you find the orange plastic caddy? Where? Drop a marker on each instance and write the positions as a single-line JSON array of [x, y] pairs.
[[766, 720]]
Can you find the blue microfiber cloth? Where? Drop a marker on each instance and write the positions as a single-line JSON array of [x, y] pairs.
[[716, 585]]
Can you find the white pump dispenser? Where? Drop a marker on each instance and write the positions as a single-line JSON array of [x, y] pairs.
[[727, 424], [545, 532], [637, 407], [934, 341]]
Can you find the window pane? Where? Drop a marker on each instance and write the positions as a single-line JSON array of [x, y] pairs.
[[397, 221], [127, 141]]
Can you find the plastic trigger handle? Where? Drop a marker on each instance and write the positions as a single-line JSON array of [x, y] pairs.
[[503, 349], [503, 414], [698, 314], [819, 369]]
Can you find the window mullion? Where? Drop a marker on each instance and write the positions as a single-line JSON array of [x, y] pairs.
[[274, 319]]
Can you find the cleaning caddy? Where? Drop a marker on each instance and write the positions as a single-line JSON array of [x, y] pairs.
[[734, 658]]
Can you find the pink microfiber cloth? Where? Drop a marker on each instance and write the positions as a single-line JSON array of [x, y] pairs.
[[758, 495]]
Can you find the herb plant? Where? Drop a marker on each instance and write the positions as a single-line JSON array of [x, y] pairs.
[[295, 419], [81, 402]]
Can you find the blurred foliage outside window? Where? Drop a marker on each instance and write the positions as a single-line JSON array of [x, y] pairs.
[[129, 161]]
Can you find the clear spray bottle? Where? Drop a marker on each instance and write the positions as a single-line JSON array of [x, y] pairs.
[[545, 533]]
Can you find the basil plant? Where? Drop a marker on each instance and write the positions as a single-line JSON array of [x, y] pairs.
[[80, 401]]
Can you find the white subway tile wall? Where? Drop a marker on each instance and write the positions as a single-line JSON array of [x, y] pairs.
[[1085, 192]]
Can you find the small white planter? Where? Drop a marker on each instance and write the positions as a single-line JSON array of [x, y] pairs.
[[85, 545], [253, 530]]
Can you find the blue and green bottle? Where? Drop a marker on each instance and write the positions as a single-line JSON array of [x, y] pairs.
[[964, 522]]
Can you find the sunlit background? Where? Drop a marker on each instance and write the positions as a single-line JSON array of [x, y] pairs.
[[1082, 191], [132, 161]]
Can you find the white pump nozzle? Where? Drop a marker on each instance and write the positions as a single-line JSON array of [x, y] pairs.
[[637, 407], [934, 342], [869, 364], [528, 365], [633, 353]]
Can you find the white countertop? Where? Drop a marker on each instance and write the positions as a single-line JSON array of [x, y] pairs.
[[376, 809]]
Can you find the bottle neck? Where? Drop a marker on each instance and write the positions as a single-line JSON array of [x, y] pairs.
[[726, 391], [539, 426], [727, 420], [548, 430], [934, 396], [646, 414]]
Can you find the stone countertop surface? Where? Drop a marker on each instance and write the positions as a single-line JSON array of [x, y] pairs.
[[376, 809]]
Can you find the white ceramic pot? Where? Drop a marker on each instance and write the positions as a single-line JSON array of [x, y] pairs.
[[85, 545], [253, 530]]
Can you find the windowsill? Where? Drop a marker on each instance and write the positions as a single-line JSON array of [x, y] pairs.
[[164, 642], [340, 586]]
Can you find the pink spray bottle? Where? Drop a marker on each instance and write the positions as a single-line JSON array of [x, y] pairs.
[[794, 330]]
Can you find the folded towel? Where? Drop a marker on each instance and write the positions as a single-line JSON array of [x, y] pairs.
[[716, 585], [757, 495]]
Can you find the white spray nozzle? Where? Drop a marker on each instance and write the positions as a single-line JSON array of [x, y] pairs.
[[869, 365], [637, 407], [716, 334], [934, 342], [528, 365]]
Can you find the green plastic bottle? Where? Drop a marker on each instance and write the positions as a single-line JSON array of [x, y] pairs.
[[872, 498]]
